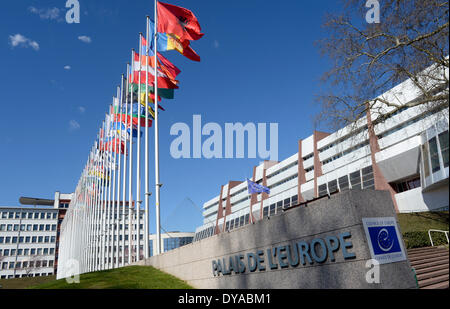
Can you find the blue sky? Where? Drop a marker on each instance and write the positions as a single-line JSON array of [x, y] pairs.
[[259, 64]]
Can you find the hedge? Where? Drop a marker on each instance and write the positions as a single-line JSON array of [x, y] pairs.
[[418, 239]]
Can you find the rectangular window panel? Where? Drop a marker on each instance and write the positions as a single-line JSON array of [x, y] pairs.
[[323, 190], [343, 183], [332, 186], [434, 155], [265, 211], [443, 141], [272, 209], [425, 160]]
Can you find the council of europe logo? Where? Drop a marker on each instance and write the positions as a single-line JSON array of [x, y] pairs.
[[384, 240]]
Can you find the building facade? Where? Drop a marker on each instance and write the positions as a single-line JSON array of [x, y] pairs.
[[405, 152], [170, 241], [29, 236]]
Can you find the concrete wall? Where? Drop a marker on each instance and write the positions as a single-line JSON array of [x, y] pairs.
[[342, 213]]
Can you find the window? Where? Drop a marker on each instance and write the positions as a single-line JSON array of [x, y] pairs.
[[343, 183], [10, 215], [42, 215], [355, 180], [49, 215], [30, 215], [35, 227], [47, 239], [367, 177], [4, 215], [294, 200], [41, 227], [47, 227], [2, 227], [332, 186], [434, 155], [227, 226], [9, 227], [323, 190], [272, 210], [29, 227], [247, 218], [443, 141], [425, 159], [34, 239], [266, 211], [2, 239], [231, 224], [16, 227], [40, 238], [236, 223]]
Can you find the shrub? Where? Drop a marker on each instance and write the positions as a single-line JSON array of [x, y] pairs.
[[418, 239]]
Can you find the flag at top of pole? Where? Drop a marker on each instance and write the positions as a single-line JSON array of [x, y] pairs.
[[253, 187]]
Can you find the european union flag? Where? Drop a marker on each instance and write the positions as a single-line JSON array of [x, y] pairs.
[[253, 187]]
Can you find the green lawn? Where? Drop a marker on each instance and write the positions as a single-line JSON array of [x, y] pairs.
[[23, 283], [423, 221], [415, 226], [132, 277]]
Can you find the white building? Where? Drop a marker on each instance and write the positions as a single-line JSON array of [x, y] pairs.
[[29, 236], [406, 154]]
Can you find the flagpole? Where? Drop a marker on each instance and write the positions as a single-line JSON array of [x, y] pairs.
[[125, 167], [130, 180], [157, 184], [138, 171], [119, 156], [147, 193], [250, 202]]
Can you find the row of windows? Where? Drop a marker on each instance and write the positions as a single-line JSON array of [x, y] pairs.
[[25, 275], [283, 169], [277, 208], [27, 227], [27, 239], [352, 180], [406, 185], [28, 215], [27, 252], [27, 264], [176, 242], [341, 154], [282, 181], [204, 233], [237, 222]]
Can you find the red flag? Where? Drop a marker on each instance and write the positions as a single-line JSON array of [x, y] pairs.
[[126, 119], [179, 21]]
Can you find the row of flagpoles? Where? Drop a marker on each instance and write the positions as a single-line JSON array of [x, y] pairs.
[[103, 226]]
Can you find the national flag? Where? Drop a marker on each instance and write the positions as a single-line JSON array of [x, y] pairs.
[[253, 187], [170, 41], [179, 21], [165, 67], [126, 119], [163, 80], [163, 93]]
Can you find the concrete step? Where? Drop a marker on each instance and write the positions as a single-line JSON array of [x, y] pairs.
[[441, 264], [432, 274], [432, 281], [429, 260], [440, 285], [427, 255], [415, 250]]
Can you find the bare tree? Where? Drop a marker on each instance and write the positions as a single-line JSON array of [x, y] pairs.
[[32, 264], [409, 42]]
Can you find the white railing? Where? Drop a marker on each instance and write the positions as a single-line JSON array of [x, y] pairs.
[[440, 231]]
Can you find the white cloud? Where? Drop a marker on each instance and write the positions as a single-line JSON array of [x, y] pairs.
[[21, 41], [73, 125], [47, 13], [81, 109], [67, 67], [85, 39]]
